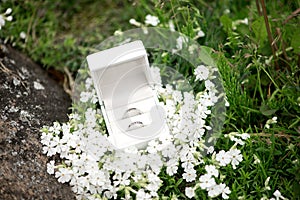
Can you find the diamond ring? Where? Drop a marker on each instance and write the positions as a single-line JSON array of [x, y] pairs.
[[131, 112], [135, 125]]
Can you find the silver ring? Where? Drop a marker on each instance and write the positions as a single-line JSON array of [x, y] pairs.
[[131, 112], [135, 125]]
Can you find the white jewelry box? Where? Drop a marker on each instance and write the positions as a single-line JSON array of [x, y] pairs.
[[128, 102]]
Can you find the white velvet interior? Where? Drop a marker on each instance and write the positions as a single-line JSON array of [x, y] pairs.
[[126, 91], [113, 72], [124, 86]]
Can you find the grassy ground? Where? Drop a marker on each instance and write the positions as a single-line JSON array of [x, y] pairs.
[[260, 82]]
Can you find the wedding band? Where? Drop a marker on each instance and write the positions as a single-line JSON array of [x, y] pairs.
[[131, 112], [135, 125]]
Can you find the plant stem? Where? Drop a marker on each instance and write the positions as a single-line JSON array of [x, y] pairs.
[[258, 8], [270, 37]]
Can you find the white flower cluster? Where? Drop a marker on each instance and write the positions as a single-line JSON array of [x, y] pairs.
[[270, 121], [5, 17], [90, 94], [149, 20], [238, 138], [208, 181], [238, 22], [276, 194], [95, 169]]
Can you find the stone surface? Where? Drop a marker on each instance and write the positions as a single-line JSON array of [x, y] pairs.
[[29, 99]]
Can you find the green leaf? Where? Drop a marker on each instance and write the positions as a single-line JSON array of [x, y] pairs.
[[205, 56], [265, 110], [295, 43], [296, 189], [179, 182], [260, 31], [227, 23]]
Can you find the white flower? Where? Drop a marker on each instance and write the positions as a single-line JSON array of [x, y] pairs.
[[9, 18], [278, 195], [155, 74], [49, 150], [171, 26], [237, 140], [122, 179], [153, 187], [267, 187], [193, 48], [211, 170], [142, 195], [56, 128], [177, 95], [238, 22], [245, 136], [200, 34], [169, 151], [85, 96], [2, 21], [153, 146], [152, 20], [3, 17], [226, 102], [236, 157], [88, 83], [201, 72], [219, 189], [180, 41], [210, 86], [271, 121], [245, 21], [256, 159], [74, 116], [152, 177], [223, 158], [206, 181], [226, 11], [172, 167], [225, 190], [214, 191], [83, 182], [50, 167], [8, 11], [46, 138], [189, 162], [134, 22], [63, 175], [210, 149], [118, 32], [23, 35], [189, 192], [189, 175], [111, 193]]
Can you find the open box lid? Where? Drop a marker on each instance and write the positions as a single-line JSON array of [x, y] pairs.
[[117, 71], [105, 58]]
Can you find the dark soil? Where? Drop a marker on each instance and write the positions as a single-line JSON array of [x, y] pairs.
[[25, 106]]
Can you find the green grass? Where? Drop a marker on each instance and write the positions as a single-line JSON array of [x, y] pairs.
[[258, 86]]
